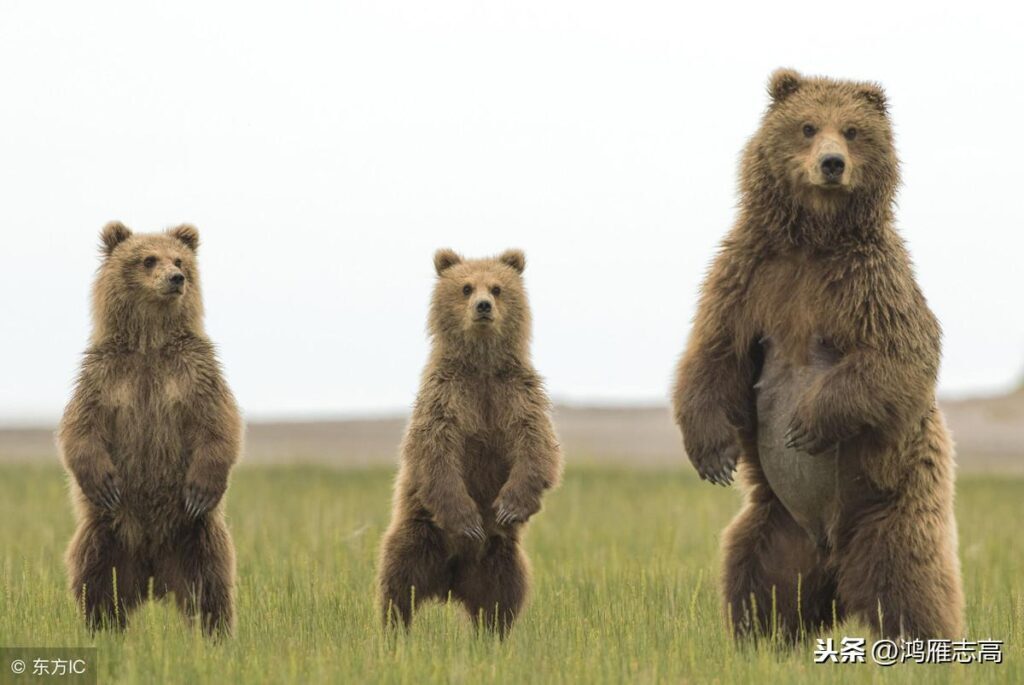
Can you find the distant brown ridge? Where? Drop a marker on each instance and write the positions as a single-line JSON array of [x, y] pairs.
[[989, 435]]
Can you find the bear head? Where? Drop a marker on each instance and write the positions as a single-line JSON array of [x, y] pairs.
[[147, 281], [480, 304], [824, 144]]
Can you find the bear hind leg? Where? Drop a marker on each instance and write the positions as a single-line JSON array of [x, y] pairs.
[[774, 577], [105, 578], [200, 571], [899, 573], [493, 588], [414, 567]]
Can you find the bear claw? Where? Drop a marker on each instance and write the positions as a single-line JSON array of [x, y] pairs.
[[506, 516], [108, 495], [198, 502], [476, 532], [720, 473]]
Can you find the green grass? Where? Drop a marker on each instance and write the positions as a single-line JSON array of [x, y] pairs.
[[625, 589]]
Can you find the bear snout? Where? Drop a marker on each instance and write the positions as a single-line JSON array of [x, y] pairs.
[[832, 167], [829, 161], [483, 310], [174, 284]]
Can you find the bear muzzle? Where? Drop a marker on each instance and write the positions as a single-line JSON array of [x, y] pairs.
[[830, 167], [174, 285], [483, 312]]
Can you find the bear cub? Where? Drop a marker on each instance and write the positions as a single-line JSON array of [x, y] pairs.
[[479, 451], [148, 439]]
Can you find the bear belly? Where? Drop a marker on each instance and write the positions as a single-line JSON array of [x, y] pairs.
[[151, 463], [484, 471], [807, 485]]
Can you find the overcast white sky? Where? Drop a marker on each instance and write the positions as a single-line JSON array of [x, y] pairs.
[[325, 150]]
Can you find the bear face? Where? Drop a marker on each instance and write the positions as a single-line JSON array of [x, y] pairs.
[[146, 278], [826, 143], [479, 301], [158, 267]]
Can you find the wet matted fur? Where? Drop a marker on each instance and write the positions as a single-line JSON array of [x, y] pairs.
[[148, 439], [812, 366], [478, 454]]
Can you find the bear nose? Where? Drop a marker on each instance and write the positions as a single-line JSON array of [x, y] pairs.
[[483, 307], [178, 279], [832, 167]]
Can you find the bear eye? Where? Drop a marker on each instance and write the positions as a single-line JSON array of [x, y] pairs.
[[467, 289], [177, 263], [809, 131], [850, 133], [495, 291], [149, 262]]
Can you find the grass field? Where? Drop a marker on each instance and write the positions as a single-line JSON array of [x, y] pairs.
[[625, 567]]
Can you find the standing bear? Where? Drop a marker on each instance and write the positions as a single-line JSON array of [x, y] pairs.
[[148, 438], [478, 453], [812, 366]]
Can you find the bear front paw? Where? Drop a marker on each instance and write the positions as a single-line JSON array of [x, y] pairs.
[[510, 509], [200, 499], [475, 532], [104, 491], [467, 523], [715, 459], [809, 433], [472, 527]]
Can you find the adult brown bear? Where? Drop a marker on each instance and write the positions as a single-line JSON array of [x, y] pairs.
[[812, 366]]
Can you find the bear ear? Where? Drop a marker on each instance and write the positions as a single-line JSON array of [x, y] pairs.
[[112, 235], [875, 96], [188, 234], [783, 83], [444, 259], [514, 258]]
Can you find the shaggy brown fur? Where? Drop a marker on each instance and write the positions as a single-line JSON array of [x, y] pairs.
[[478, 453], [812, 365], [148, 439]]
